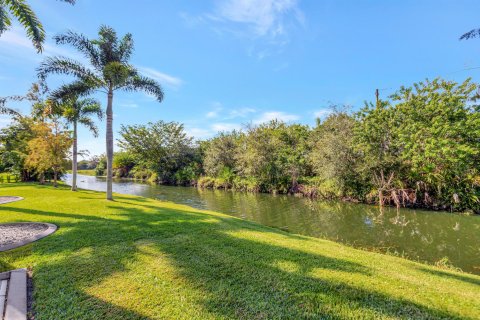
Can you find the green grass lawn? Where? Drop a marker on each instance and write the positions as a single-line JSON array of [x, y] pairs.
[[6, 177], [138, 258], [85, 172]]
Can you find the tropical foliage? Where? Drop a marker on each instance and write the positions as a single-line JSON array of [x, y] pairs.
[[22, 11], [79, 111], [48, 149], [161, 148], [421, 147], [109, 71]]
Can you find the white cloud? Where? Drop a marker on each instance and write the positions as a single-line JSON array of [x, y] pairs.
[[163, 78], [275, 115], [264, 18], [14, 37], [218, 107], [219, 111], [212, 114], [225, 127], [129, 105], [240, 113], [15, 42], [322, 113], [266, 23]]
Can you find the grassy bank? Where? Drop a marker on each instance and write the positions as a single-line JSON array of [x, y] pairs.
[[85, 172], [138, 258]]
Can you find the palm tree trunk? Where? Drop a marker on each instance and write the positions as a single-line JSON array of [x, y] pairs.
[[109, 144], [74, 158]]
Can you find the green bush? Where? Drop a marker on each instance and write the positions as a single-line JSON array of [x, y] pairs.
[[206, 182]]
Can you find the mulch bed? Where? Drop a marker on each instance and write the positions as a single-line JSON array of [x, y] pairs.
[[14, 235], [8, 199]]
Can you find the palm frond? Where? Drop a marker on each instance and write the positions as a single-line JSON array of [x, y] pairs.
[[82, 44], [89, 124], [147, 85], [108, 45], [62, 65], [91, 106], [75, 89], [5, 21], [125, 48], [27, 18], [471, 34]]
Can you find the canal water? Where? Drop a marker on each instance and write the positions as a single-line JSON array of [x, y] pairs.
[[415, 234]]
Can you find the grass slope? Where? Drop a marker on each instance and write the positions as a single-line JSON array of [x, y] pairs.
[[138, 258], [84, 172]]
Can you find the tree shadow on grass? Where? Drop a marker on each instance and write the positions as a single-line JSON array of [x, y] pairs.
[[238, 277], [464, 278], [52, 214]]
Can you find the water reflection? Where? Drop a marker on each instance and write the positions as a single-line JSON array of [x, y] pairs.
[[420, 235]]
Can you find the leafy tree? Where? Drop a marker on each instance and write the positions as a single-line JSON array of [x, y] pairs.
[[27, 18], [123, 162], [109, 71], [80, 111], [220, 153], [14, 146], [48, 149], [375, 139], [440, 141], [333, 158], [163, 147], [274, 153], [93, 162], [101, 166], [15, 137], [293, 153], [256, 156]]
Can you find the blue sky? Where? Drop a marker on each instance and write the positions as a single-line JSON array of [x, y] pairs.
[[226, 63]]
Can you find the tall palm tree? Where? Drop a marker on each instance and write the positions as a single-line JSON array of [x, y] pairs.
[[109, 71], [80, 111], [27, 18]]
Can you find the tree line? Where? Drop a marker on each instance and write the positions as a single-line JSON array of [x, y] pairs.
[[418, 148]]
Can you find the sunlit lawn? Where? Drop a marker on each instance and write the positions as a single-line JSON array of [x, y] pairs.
[[90, 172], [138, 258]]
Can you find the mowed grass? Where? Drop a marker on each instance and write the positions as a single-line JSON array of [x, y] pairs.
[[6, 177], [137, 258], [85, 172]]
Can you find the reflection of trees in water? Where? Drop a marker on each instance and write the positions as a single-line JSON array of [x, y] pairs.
[[426, 236]]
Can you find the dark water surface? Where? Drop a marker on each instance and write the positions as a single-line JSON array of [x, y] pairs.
[[416, 234]]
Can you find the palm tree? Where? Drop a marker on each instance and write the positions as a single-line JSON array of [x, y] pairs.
[[80, 111], [109, 71], [27, 18]]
